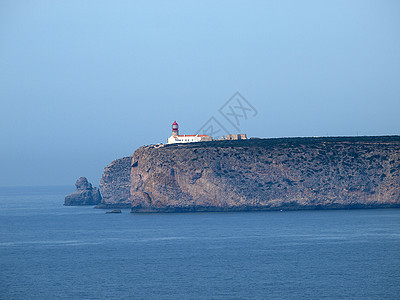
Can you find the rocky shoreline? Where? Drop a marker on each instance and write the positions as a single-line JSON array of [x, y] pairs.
[[288, 207]]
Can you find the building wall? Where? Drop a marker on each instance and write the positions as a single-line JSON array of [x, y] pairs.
[[239, 136], [188, 139]]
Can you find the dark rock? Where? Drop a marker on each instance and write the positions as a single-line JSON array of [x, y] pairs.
[[114, 211], [85, 194], [82, 184]]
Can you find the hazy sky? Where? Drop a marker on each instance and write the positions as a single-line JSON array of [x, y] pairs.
[[85, 82]]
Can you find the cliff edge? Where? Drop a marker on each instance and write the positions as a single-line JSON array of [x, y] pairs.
[[259, 174]]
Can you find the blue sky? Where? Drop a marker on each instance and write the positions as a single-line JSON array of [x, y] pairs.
[[85, 82]]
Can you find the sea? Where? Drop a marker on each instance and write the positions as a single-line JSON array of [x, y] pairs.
[[51, 251]]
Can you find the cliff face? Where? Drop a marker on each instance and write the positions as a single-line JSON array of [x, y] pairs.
[[115, 184], [264, 174]]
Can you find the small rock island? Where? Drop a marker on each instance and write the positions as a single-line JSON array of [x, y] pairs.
[[85, 194]]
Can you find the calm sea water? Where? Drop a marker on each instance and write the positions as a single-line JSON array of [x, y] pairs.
[[50, 251]]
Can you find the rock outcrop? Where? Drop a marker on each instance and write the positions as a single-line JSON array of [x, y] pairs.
[[85, 194], [115, 184], [259, 174]]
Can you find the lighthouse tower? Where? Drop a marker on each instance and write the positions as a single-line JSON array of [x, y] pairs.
[[175, 129]]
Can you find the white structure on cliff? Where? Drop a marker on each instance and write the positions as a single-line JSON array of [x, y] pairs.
[[185, 138]]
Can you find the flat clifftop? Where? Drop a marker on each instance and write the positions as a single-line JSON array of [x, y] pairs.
[[293, 141], [263, 174]]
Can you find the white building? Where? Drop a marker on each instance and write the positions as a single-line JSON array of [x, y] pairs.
[[185, 138]]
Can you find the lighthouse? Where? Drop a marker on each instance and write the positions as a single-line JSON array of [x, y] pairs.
[[175, 129], [185, 138]]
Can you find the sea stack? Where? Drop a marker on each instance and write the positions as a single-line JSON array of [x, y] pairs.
[[85, 194]]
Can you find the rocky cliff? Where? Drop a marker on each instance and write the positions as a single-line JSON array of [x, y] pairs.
[[85, 194], [115, 184], [258, 174]]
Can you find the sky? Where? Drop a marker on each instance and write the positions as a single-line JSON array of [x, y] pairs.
[[83, 83]]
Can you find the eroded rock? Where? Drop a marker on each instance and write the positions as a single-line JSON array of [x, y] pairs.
[[115, 184], [85, 194]]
